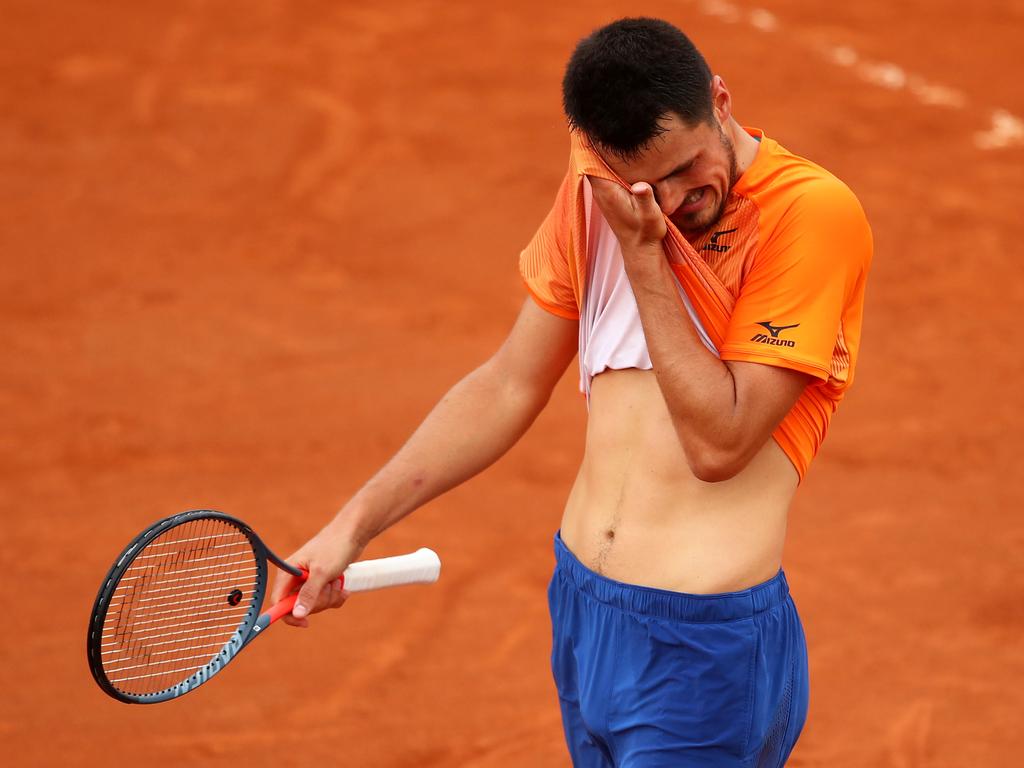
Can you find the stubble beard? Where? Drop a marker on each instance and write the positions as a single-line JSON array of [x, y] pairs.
[[696, 224]]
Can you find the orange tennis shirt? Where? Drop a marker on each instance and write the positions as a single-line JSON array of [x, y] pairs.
[[778, 280]]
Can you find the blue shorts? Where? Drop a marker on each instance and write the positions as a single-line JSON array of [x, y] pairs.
[[649, 678]]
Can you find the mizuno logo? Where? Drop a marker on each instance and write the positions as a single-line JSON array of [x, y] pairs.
[[774, 339], [714, 245], [775, 330]]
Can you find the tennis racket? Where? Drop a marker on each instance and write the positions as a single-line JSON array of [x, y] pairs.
[[185, 597]]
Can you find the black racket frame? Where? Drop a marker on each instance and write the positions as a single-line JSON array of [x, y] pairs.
[[249, 628]]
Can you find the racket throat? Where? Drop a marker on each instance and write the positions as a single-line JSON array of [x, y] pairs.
[[214, 665]]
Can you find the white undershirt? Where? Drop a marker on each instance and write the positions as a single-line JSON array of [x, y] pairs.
[[611, 336]]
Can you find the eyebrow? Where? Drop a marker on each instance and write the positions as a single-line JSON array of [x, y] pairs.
[[681, 168]]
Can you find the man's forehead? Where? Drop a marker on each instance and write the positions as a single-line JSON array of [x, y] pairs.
[[677, 145]]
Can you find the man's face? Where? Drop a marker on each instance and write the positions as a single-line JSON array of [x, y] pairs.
[[691, 168]]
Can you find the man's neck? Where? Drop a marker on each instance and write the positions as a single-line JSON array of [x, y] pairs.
[[744, 145]]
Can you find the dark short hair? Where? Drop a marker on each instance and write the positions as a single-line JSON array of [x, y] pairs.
[[623, 78]]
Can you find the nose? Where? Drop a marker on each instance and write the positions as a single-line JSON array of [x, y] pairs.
[[668, 197]]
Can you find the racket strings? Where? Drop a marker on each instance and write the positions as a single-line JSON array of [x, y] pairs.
[[177, 604]]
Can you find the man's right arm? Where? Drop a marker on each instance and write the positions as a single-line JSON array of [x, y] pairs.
[[472, 426]]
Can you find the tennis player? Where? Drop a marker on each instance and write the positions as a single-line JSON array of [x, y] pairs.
[[712, 285]]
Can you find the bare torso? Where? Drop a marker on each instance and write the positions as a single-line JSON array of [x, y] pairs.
[[637, 514]]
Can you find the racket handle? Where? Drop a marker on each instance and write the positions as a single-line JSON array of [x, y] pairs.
[[276, 611], [420, 567]]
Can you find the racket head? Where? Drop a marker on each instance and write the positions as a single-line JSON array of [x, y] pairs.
[[179, 602]]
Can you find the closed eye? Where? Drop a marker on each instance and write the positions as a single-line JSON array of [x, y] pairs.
[[679, 170]]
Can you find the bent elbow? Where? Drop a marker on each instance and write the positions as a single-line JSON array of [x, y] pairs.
[[714, 466], [713, 473]]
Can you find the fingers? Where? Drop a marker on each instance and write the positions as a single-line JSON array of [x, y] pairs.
[[291, 621], [604, 189], [642, 191], [617, 201], [645, 199], [336, 596], [318, 594], [324, 558], [331, 595], [309, 594], [284, 585], [609, 194]]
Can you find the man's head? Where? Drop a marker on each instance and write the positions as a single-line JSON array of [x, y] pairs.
[[645, 97]]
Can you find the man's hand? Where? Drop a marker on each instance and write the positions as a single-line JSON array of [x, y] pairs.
[[633, 214], [325, 556]]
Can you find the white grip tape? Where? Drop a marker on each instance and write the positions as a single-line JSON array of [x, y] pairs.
[[420, 567]]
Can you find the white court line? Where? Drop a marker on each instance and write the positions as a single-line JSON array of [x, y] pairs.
[[764, 20], [721, 9], [1005, 130]]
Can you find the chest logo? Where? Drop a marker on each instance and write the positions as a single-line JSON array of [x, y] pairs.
[[774, 330], [714, 245]]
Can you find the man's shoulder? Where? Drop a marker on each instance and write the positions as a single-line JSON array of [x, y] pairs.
[[790, 189], [778, 172]]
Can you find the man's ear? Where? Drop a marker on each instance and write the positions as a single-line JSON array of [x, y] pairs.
[[721, 100]]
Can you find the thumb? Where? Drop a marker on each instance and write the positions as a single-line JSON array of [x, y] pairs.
[[308, 595], [644, 193]]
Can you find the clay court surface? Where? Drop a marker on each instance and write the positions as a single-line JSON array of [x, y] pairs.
[[246, 246]]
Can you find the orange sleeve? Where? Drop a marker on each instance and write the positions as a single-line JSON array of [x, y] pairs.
[[805, 284], [545, 265]]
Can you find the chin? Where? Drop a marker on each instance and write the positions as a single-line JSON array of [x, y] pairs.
[[697, 223]]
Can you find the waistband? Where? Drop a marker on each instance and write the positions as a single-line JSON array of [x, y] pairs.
[[663, 603]]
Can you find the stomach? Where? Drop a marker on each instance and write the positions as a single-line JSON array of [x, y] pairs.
[[637, 514]]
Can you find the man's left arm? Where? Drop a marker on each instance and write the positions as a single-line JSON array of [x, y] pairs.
[[723, 411]]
